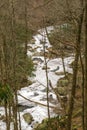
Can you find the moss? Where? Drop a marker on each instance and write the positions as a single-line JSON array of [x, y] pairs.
[[65, 81], [74, 127], [52, 124], [28, 118], [62, 90]]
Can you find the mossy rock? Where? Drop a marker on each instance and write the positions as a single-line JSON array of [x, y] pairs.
[[65, 81], [52, 124], [28, 118], [62, 91], [47, 125], [40, 127], [62, 83]]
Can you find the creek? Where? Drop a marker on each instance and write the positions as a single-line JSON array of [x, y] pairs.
[[36, 92]]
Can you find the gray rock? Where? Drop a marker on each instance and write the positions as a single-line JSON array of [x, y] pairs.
[[55, 69], [36, 94], [23, 107], [38, 59]]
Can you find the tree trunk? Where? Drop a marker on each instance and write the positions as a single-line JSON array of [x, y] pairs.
[[47, 80], [63, 63], [14, 64], [85, 82], [75, 70], [26, 29]]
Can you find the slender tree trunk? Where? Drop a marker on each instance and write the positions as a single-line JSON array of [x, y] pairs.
[[85, 82], [15, 101], [63, 63], [19, 121], [75, 70], [26, 28], [47, 80], [82, 66], [73, 91]]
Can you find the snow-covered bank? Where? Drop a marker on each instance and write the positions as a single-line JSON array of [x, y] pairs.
[[37, 91]]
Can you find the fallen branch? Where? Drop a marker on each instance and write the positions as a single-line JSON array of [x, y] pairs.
[[35, 101]]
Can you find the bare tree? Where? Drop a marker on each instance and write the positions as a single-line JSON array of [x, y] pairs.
[[85, 81], [46, 70], [75, 70]]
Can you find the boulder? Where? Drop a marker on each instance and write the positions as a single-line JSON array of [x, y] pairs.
[[21, 107], [62, 91], [36, 94], [63, 82], [28, 118]]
